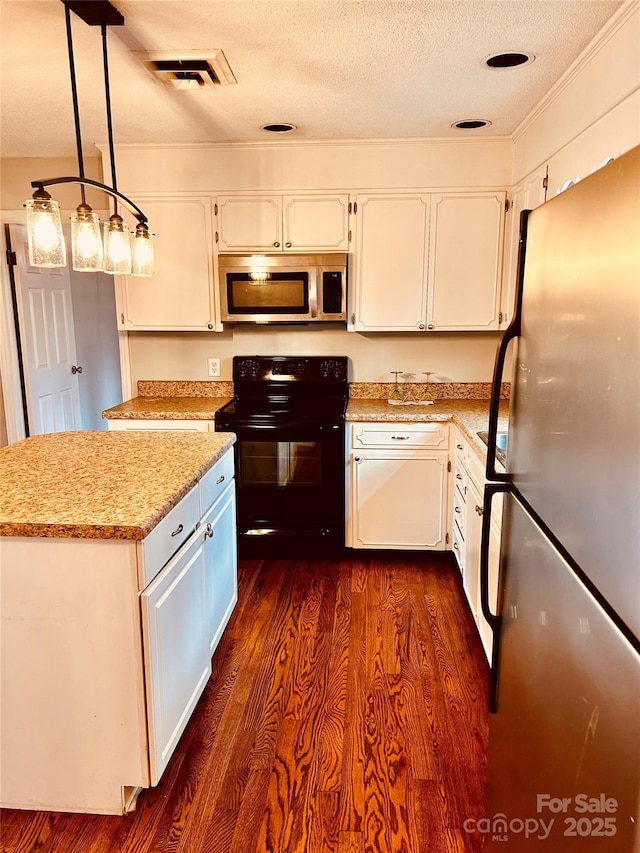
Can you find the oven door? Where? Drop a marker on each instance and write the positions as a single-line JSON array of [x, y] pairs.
[[291, 489], [279, 297]]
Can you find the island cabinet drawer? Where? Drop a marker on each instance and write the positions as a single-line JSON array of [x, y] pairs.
[[401, 435], [165, 539], [216, 480]]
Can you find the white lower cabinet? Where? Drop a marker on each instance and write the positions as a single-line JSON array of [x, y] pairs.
[[468, 510], [397, 486], [177, 659], [107, 648], [220, 565]]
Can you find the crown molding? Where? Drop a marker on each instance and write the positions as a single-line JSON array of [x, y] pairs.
[[599, 41], [306, 143]]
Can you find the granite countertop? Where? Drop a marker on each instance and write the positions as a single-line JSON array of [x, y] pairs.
[[471, 416], [167, 408], [100, 485]]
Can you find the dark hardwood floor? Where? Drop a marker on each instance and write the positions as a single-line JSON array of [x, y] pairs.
[[347, 713]]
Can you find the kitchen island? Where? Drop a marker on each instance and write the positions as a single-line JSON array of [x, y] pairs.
[[118, 570]]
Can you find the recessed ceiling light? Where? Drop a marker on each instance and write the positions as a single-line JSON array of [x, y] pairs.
[[471, 123], [510, 59], [280, 127]]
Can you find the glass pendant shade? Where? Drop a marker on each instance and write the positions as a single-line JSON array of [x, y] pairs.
[[86, 242], [142, 258], [117, 246], [44, 233]]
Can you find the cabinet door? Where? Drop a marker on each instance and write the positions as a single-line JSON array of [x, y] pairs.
[[220, 561], [180, 295], [391, 262], [316, 223], [465, 261], [473, 535], [399, 500], [177, 662], [248, 223], [526, 196]]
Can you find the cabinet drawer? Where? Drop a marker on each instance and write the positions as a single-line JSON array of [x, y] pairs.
[[216, 480], [459, 511], [458, 546], [385, 435], [460, 478], [165, 539]]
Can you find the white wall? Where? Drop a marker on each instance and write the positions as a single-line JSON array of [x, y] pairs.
[[592, 113], [463, 357]]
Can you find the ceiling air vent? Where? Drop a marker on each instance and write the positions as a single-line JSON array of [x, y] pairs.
[[190, 69]]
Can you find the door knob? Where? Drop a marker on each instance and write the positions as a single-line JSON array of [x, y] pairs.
[[75, 369]]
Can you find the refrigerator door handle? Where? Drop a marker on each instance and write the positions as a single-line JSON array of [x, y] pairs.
[[512, 331], [493, 619]]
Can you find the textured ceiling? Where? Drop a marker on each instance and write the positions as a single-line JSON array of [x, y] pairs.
[[337, 70]]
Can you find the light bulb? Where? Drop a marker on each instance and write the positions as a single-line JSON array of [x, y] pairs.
[[44, 232], [86, 244], [117, 247], [142, 251]]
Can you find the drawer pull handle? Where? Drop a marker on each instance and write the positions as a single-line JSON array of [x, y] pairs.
[[400, 437], [479, 510], [178, 529], [208, 534], [455, 545], [457, 509], [460, 447], [220, 480], [458, 476]]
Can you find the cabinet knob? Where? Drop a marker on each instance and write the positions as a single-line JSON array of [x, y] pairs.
[[357, 458], [479, 510], [288, 245], [276, 245], [209, 325], [430, 326], [75, 369], [421, 326], [208, 533]]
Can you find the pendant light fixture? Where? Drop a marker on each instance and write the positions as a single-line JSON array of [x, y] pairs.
[[44, 228]]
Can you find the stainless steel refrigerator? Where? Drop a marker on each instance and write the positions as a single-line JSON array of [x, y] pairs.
[[564, 736]]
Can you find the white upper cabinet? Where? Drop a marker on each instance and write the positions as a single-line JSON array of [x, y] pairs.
[[427, 261], [180, 295], [465, 261], [283, 223], [391, 262], [528, 195]]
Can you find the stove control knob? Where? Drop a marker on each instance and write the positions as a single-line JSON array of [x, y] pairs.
[[331, 369], [248, 368]]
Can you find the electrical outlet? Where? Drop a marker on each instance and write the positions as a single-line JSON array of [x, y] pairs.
[[214, 366]]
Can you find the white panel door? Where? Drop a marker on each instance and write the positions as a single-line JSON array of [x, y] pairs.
[[249, 223], [180, 295], [177, 662], [316, 223], [399, 500], [48, 342], [391, 262], [465, 261]]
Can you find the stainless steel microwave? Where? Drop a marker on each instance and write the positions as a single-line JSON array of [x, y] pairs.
[[283, 288]]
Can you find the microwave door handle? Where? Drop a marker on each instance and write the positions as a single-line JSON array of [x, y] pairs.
[[314, 286]]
